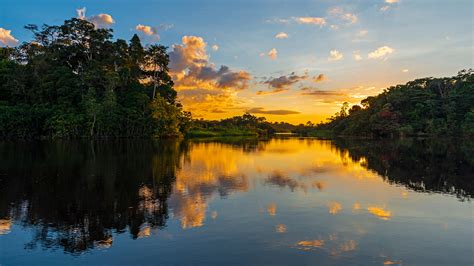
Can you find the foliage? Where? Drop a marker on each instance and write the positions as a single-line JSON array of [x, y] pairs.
[[245, 125], [74, 81], [428, 106]]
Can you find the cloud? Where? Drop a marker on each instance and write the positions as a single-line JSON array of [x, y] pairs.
[[340, 14], [318, 92], [201, 85], [310, 20], [273, 91], [281, 35], [350, 18], [362, 33], [319, 78], [405, 70], [335, 55], [357, 55], [273, 54], [100, 21], [148, 30], [215, 47], [6, 38], [285, 80], [391, 1], [384, 8], [261, 110], [381, 53]]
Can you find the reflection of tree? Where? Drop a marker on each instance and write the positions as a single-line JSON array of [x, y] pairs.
[[424, 165], [76, 194]]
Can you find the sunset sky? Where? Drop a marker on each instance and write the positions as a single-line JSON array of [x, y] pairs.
[[286, 60]]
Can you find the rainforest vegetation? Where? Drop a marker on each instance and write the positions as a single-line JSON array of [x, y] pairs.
[[423, 107], [75, 80]]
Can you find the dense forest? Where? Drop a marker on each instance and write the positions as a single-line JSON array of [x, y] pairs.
[[423, 107], [74, 81]]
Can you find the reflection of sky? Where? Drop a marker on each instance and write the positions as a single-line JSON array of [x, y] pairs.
[[234, 209]]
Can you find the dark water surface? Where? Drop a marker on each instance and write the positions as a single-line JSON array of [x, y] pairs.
[[291, 201]]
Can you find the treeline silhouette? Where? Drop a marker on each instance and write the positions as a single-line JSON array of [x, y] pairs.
[[423, 107], [73, 81]]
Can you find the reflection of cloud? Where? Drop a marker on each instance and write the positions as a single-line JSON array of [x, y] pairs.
[[356, 207], [105, 243], [272, 208], [334, 207], [389, 262], [261, 110], [318, 243], [282, 181], [5, 226], [145, 231], [214, 215], [380, 213], [280, 228], [319, 185], [348, 246]]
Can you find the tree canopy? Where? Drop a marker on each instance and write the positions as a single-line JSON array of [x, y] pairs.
[[74, 80], [428, 106]]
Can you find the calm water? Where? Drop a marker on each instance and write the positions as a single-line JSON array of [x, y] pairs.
[[276, 202]]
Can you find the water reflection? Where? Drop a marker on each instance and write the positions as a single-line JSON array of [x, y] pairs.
[[78, 196]]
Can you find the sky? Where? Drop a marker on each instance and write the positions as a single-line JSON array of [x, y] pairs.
[[293, 61]]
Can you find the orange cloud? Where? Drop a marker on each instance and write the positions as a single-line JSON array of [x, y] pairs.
[[310, 20], [273, 54], [6, 38], [100, 21]]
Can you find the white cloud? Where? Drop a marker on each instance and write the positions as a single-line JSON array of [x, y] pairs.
[[215, 47], [6, 38], [362, 33], [338, 12], [281, 35], [391, 1], [384, 8], [335, 55], [350, 18], [100, 21], [273, 54], [381, 52], [334, 27], [357, 55], [405, 70], [311, 20]]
